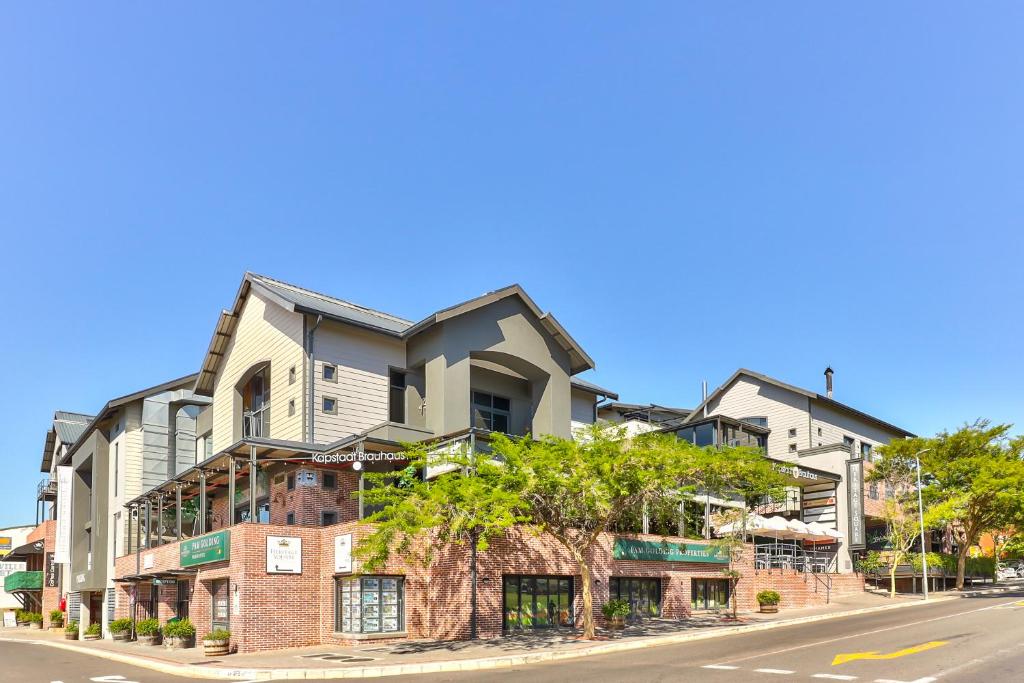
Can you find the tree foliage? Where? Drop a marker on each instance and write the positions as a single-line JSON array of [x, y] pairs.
[[896, 469]]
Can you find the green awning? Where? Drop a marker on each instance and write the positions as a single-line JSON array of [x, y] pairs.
[[23, 581]]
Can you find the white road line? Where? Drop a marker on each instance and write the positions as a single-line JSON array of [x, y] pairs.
[[868, 633], [723, 667], [926, 679], [835, 677], [781, 672]]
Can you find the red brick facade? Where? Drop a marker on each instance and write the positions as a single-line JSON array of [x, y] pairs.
[[287, 610], [47, 532]]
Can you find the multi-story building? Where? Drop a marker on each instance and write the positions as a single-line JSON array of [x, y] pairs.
[[133, 443], [827, 445]]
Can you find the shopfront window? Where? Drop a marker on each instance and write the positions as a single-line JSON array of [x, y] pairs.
[[537, 602], [181, 604], [709, 594], [369, 604], [642, 595], [220, 590]]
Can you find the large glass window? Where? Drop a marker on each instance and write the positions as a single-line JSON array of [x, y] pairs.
[[709, 593], [255, 405], [491, 412], [704, 434], [396, 396], [369, 604], [643, 595], [537, 602]]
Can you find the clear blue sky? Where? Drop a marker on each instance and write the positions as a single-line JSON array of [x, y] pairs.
[[688, 190]]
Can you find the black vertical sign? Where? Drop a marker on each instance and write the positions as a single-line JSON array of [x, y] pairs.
[[51, 571]]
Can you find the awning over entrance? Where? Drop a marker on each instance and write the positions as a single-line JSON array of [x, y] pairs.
[[168, 575]]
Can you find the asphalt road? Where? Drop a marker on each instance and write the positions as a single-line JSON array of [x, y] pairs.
[[971, 640]]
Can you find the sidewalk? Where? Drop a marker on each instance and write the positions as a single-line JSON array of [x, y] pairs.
[[422, 656]]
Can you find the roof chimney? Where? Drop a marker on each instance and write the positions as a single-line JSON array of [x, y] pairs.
[[828, 381], [703, 390]]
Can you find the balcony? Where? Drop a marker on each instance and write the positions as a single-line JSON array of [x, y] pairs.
[[254, 422], [23, 581], [46, 489]]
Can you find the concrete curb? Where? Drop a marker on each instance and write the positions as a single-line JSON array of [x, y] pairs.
[[489, 663]]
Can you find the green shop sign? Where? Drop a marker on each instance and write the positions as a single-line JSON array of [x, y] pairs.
[[665, 551], [203, 549]]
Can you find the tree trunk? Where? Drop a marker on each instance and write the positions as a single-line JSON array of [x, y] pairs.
[[892, 580], [588, 600], [961, 565], [735, 601]]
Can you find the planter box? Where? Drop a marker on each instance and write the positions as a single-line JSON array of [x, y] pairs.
[[149, 640], [769, 609], [90, 636], [178, 643], [616, 622], [123, 635], [71, 635], [216, 648], [37, 625]]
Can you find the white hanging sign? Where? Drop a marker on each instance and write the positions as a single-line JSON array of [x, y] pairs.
[[343, 554]]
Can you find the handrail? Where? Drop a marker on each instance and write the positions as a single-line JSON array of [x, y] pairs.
[[826, 581]]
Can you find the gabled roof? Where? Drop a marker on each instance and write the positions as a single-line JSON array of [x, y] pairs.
[[180, 383], [591, 388], [301, 300], [68, 427], [824, 400]]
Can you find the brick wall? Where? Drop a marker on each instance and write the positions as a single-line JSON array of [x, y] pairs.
[[285, 610], [47, 532]]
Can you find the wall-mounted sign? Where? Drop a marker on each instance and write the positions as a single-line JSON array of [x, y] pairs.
[[665, 551], [284, 555], [305, 478], [50, 578], [62, 547], [855, 494], [148, 560], [818, 502], [214, 547], [8, 568], [6, 543], [343, 554]]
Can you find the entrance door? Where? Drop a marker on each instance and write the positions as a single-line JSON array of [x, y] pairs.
[[531, 602], [709, 594], [95, 607], [642, 595], [221, 614]]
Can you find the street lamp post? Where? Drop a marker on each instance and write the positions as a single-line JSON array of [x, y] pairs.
[[920, 513]]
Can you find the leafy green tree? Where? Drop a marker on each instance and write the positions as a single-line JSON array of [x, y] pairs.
[[975, 483], [896, 469]]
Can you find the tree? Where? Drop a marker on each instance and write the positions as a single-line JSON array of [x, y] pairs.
[[576, 490], [975, 483], [467, 504], [896, 469]]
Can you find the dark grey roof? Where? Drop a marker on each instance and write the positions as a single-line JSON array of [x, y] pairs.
[[308, 301], [592, 388], [825, 400], [69, 426]]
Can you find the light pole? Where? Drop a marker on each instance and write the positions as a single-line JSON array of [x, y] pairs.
[[920, 513]]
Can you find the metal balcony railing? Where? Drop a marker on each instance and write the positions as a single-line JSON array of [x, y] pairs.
[[46, 488], [254, 422]]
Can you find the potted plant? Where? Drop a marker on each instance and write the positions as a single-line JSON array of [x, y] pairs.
[[21, 617], [615, 612], [147, 632], [35, 620], [121, 629], [71, 631], [216, 642], [93, 632], [769, 601], [56, 619], [179, 634]]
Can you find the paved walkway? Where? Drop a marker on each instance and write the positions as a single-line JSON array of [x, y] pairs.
[[423, 655]]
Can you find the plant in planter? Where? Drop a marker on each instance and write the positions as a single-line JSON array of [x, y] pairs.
[[21, 617], [769, 601], [56, 619], [121, 629], [71, 631], [615, 612], [147, 632], [35, 620], [217, 642], [93, 632], [179, 634]]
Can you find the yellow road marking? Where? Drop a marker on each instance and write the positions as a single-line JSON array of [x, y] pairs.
[[844, 657]]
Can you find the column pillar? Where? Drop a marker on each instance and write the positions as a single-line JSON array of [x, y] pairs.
[[253, 470], [159, 519], [149, 523], [202, 502], [177, 510], [232, 467]]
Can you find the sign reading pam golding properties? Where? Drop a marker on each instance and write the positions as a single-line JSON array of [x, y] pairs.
[[666, 551], [213, 547]]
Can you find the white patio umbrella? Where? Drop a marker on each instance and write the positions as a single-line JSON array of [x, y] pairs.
[[820, 532]]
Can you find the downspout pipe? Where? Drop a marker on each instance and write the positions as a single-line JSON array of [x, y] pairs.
[[312, 378]]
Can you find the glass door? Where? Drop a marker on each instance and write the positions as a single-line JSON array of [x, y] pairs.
[[221, 614]]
